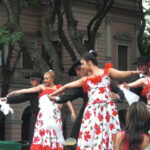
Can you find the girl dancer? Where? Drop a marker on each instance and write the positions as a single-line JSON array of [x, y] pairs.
[[48, 129], [100, 119]]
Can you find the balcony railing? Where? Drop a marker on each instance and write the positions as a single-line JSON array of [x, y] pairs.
[[21, 74]]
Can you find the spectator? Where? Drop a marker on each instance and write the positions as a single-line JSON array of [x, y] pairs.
[[135, 134]]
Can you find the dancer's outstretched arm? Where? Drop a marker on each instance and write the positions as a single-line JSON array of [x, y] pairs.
[[29, 90], [74, 84], [113, 73], [139, 83]]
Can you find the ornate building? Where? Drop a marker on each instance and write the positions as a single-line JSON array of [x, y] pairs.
[[115, 42]]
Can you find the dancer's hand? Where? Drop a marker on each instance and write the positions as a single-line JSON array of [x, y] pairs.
[[52, 98], [2, 98], [114, 96], [73, 116], [137, 72]]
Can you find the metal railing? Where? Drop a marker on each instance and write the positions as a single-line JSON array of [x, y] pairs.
[[21, 74]]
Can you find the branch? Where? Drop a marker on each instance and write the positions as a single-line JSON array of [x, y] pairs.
[[62, 34], [51, 11], [74, 34], [12, 9], [16, 61], [98, 20], [142, 28]]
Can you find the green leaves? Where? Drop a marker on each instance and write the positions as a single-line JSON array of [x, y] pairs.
[[7, 37], [28, 3]]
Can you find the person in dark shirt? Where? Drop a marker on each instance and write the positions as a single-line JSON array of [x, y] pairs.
[[142, 65], [35, 79]]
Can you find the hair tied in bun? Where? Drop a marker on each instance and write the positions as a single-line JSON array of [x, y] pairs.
[[92, 52]]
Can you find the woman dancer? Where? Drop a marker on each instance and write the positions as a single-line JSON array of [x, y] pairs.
[[145, 84], [100, 120], [48, 128], [135, 134]]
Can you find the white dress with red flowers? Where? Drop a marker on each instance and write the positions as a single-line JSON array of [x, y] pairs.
[[146, 92], [100, 120], [48, 133]]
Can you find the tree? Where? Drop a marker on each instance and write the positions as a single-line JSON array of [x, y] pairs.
[[143, 36], [13, 27], [57, 10]]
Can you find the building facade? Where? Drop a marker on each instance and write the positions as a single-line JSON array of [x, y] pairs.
[[115, 43]]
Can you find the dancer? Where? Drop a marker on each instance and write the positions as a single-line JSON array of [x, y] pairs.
[[100, 120], [142, 65], [48, 128], [145, 84], [135, 134], [35, 79], [74, 93]]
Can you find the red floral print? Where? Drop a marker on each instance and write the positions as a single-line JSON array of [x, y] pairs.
[[42, 132], [40, 115], [100, 120], [97, 129], [100, 117], [107, 116], [101, 89], [111, 126], [87, 115], [87, 135], [46, 138]]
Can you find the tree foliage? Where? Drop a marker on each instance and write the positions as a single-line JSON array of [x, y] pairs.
[[144, 33], [58, 10]]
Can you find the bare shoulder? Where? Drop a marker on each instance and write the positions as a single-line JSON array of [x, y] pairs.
[[118, 135], [41, 86], [145, 143], [117, 140]]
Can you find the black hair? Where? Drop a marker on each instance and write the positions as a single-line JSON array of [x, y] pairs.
[[91, 55], [137, 123]]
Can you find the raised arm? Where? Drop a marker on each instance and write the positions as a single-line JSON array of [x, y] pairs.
[[29, 90], [74, 84], [139, 83], [113, 73]]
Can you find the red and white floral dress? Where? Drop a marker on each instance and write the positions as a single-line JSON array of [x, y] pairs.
[[100, 120], [48, 134], [146, 92]]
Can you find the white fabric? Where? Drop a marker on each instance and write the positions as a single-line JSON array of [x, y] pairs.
[[48, 109], [5, 108], [130, 96], [142, 75]]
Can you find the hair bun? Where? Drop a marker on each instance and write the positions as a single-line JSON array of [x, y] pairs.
[[92, 52]]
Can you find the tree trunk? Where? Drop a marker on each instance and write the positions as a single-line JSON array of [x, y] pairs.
[[74, 34]]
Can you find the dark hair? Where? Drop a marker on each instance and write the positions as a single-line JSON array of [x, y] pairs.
[[137, 123], [91, 55]]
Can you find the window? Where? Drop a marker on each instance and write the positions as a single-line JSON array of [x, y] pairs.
[[122, 57]]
